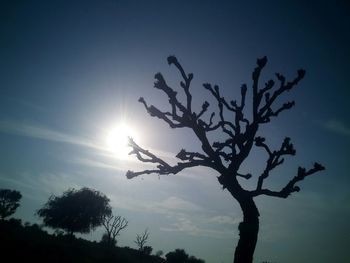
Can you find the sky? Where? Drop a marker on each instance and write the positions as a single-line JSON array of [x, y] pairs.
[[71, 71]]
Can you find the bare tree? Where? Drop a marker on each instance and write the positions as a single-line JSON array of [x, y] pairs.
[[141, 240], [113, 225], [238, 127]]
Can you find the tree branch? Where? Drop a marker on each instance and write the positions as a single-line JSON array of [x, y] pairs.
[[274, 159], [221, 103], [245, 176], [256, 96], [155, 112], [142, 239], [266, 111], [290, 187], [113, 225], [163, 168], [189, 156], [239, 132], [187, 78]]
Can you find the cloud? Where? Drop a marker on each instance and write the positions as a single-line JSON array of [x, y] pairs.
[[96, 164], [41, 186], [176, 203], [183, 216], [44, 133], [185, 225], [224, 220], [48, 134], [169, 206], [17, 182], [337, 127]]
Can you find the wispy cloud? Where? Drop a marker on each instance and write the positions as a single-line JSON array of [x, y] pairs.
[[168, 206], [186, 225], [49, 134], [182, 216], [183, 224], [23, 103], [224, 220], [337, 127], [44, 133], [17, 182], [96, 164], [40, 186], [176, 203]]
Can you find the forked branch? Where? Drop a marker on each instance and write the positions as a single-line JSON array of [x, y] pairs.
[[163, 168], [113, 225], [275, 157], [226, 152], [290, 187], [142, 239]]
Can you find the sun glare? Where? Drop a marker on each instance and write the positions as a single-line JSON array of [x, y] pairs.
[[117, 140]]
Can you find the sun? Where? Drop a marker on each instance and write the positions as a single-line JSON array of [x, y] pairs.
[[117, 140]]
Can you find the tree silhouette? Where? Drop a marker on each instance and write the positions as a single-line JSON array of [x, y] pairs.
[[9, 202], [113, 225], [177, 256], [147, 250], [76, 210], [141, 240], [238, 135], [159, 253], [193, 259], [180, 256]]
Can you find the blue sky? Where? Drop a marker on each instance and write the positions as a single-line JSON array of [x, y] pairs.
[[72, 70]]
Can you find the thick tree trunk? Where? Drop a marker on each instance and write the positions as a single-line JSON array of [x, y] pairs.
[[248, 231], [249, 228]]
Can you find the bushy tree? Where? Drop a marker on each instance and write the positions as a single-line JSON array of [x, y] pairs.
[[193, 259], [181, 256], [76, 211], [235, 131], [177, 256], [159, 253], [9, 202]]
